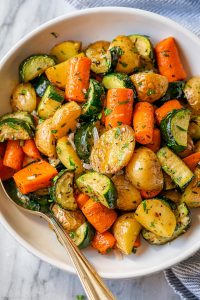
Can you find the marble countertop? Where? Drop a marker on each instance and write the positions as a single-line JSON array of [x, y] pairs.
[[22, 275]]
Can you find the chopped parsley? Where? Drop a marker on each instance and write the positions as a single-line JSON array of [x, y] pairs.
[[152, 224], [124, 102], [72, 164], [117, 133], [23, 92], [54, 131], [107, 111], [80, 297], [119, 123], [179, 127], [123, 64], [151, 92], [72, 234]]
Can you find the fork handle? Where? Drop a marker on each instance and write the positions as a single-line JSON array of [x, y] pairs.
[[93, 285]]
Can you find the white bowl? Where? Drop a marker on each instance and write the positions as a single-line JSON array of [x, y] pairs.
[[90, 25]]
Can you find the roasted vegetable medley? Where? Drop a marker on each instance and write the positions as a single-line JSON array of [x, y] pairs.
[[108, 139]]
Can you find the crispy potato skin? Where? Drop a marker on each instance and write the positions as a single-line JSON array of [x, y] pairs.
[[144, 170], [98, 54], [70, 220], [24, 98], [128, 196], [113, 150], [129, 59], [44, 139], [149, 86], [125, 230], [192, 93], [64, 119], [157, 217]]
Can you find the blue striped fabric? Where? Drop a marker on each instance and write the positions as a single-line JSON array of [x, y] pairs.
[[184, 278]]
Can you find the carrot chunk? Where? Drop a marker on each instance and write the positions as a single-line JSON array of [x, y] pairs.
[[14, 155], [98, 215], [155, 145], [143, 122], [166, 108], [34, 177], [192, 160], [31, 150], [81, 199], [119, 107], [77, 81], [103, 241], [168, 60]]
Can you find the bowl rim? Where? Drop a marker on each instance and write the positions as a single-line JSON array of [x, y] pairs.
[[71, 15]]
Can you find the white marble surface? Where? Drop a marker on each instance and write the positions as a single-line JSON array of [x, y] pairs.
[[22, 275]]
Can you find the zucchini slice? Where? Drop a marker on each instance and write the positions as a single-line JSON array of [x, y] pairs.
[[99, 187], [34, 65], [174, 129], [174, 167], [50, 102], [94, 103], [21, 115], [156, 216], [84, 139], [40, 84], [83, 235], [191, 195], [183, 221], [100, 57], [174, 91], [14, 129], [62, 190], [117, 80], [144, 47]]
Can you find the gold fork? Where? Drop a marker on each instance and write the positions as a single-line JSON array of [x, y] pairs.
[[93, 285]]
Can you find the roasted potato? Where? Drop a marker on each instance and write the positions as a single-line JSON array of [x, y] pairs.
[[70, 220], [149, 86], [191, 195], [68, 156], [113, 150], [44, 139], [144, 170], [156, 216], [192, 92], [100, 56], [125, 230], [23, 98], [128, 196], [65, 119], [194, 127], [128, 56], [65, 50]]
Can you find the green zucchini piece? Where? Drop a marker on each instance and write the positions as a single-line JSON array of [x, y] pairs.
[[194, 127], [117, 80], [84, 139], [99, 187], [83, 236], [100, 57], [22, 200], [14, 129], [174, 167], [34, 65], [94, 103], [62, 190], [40, 84], [21, 115], [174, 129], [174, 91], [50, 102], [183, 221], [144, 47]]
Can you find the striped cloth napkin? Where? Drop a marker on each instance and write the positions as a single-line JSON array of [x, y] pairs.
[[184, 278]]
